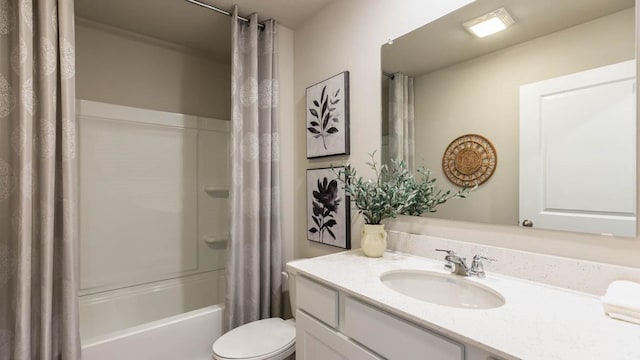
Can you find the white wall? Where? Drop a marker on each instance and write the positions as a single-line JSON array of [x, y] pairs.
[[347, 35]]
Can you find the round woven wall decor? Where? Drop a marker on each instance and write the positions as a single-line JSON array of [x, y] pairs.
[[469, 160]]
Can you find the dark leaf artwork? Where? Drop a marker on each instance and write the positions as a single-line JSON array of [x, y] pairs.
[[325, 114], [326, 202]]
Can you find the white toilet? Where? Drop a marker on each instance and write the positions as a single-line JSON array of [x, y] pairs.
[[267, 339]]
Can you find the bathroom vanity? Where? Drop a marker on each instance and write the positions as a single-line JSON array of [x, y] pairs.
[[345, 311]]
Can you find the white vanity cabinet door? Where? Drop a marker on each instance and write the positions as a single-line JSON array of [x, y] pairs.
[[315, 341], [317, 300], [395, 338]]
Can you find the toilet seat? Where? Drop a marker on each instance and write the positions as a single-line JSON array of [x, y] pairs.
[[268, 339]]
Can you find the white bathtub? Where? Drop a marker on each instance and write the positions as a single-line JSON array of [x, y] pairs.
[[187, 336]]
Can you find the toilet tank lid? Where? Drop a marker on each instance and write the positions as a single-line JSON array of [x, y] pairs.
[[256, 339]]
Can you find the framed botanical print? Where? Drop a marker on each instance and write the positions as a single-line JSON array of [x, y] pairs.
[[328, 209], [327, 116]]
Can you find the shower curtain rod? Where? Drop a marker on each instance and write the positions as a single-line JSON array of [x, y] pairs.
[[218, 10], [390, 76]]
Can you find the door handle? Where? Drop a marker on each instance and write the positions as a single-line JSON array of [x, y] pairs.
[[527, 223]]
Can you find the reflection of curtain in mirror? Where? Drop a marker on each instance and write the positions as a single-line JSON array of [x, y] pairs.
[[401, 120]]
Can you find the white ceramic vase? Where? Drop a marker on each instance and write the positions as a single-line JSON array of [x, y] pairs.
[[374, 240]]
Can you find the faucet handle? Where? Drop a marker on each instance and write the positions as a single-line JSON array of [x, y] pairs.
[[477, 266], [449, 252], [481, 258]]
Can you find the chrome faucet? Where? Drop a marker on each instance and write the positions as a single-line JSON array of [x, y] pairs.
[[455, 264], [458, 265]]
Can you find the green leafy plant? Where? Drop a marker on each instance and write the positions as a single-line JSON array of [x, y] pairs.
[[394, 191]]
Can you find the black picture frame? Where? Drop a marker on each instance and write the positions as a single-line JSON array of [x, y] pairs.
[[327, 117], [328, 208]]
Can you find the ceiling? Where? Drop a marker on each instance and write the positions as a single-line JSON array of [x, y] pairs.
[[444, 42], [180, 22]]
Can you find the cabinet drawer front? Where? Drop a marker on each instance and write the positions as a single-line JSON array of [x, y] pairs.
[[317, 300], [315, 341], [393, 338]]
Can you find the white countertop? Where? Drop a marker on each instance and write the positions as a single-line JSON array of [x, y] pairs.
[[536, 322]]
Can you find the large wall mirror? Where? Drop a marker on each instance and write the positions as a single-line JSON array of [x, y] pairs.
[[554, 93]]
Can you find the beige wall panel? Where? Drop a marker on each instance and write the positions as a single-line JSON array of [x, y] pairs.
[[122, 68]]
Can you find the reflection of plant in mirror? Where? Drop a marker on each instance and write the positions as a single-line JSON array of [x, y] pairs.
[[394, 191], [429, 195], [323, 112]]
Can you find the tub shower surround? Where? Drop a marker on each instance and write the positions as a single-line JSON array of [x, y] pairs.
[[161, 180]]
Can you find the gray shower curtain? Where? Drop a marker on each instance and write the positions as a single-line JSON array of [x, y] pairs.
[[38, 232], [254, 257], [401, 120]]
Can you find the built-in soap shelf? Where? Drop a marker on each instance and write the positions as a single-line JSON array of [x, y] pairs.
[[217, 191], [216, 239]]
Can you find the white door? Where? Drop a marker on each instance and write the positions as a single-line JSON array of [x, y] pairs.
[[578, 152]]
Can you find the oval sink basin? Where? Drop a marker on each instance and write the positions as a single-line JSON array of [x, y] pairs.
[[442, 289]]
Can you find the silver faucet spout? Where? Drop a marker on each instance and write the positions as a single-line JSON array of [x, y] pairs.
[[459, 264]]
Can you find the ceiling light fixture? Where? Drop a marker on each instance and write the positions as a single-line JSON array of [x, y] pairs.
[[490, 23]]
